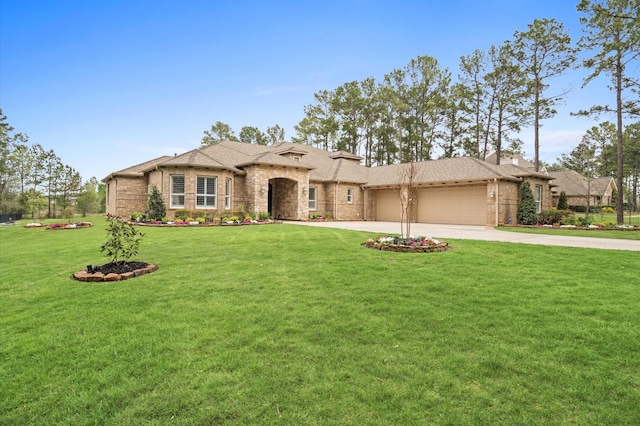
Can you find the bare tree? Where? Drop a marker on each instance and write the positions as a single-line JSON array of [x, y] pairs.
[[409, 175]]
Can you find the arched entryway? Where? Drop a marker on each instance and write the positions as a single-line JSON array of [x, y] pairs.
[[283, 199]]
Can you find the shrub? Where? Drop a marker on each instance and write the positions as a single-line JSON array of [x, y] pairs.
[[138, 216], [526, 206], [584, 221], [181, 215], [123, 240], [264, 216], [553, 217], [200, 219], [562, 202], [155, 205], [608, 210]]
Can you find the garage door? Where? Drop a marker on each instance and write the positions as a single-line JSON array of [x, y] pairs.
[[465, 205], [388, 205]]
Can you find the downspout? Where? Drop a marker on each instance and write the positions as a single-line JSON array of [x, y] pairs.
[[335, 201], [496, 223]]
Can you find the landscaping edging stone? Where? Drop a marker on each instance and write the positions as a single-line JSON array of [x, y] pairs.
[[97, 277], [372, 244]]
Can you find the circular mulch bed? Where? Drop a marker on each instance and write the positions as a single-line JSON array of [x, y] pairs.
[[114, 272]]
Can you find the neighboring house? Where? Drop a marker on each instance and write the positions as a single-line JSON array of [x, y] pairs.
[[293, 181], [575, 185]]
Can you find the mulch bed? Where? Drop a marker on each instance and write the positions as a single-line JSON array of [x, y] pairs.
[[114, 271]]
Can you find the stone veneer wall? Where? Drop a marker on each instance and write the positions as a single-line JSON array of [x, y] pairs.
[[290, 191]]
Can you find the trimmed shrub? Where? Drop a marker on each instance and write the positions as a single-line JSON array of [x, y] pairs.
[[562, 202], [156, 208], [527, 206], [138, 216], [181, 215], [554, 217]]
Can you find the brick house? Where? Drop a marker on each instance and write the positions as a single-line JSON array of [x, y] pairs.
[[575, 185], [294, 181]]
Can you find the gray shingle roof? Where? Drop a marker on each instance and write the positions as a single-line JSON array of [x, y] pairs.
[[327, 166], [575, 184]]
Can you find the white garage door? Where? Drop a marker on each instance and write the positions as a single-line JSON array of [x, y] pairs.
[[465, 205], [388, 205]]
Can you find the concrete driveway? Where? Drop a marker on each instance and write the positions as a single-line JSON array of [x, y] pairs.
[[469, 232]]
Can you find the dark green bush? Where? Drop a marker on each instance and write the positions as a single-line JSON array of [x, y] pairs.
[[527, 206], [562, 202], [182, 215], [155, 204]]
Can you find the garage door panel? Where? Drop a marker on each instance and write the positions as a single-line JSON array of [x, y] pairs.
[[388, 205], [453, 205]]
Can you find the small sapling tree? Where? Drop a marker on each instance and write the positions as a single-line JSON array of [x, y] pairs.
[[123, 240], [527, 206]]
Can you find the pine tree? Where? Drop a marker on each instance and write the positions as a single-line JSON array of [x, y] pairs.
[[562, 202], [157, 209], [527, 206]]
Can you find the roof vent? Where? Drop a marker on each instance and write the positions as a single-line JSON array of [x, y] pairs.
[[514, 161]]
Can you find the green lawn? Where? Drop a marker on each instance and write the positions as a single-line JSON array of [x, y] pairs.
[[287, 324], [596, 233]]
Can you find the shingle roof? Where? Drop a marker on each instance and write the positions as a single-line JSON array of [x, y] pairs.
[[327, 166], [573, 183], [447, 170], [138, 169]]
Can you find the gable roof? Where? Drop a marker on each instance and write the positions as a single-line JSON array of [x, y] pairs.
[[325, 166], [138, 169], [448, 171], [575, 184]]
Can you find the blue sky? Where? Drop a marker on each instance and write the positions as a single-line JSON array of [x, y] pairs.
[[108, 84]]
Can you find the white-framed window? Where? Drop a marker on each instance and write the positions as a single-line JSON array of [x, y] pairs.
[[537, 196], [206, 192], [313, 195], [227, 194], [350, 195], [296, 158], [177, 191]]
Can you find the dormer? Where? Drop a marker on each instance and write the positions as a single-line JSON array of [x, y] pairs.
[[346, 156], [293, 153]]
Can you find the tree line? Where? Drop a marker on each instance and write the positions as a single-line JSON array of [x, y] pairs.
[[34, 180], [420, 112]]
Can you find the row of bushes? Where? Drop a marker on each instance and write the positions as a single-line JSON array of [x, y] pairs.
[[568, 217], [206, 216]]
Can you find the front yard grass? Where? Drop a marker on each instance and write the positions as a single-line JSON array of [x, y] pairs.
[[596, 233], [286, 324]]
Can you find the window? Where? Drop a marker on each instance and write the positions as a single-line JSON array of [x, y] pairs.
[[350, 195], [206, 192], [227, 194], [538, 198], [296, 158], [177, 191], [313, 194]]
